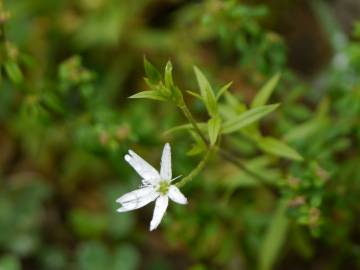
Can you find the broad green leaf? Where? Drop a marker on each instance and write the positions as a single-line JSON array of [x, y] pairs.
[[13, 71], [265, 92], [206, 92], [247, 118], [278, 148], [150, 95], [151, 72], [223, 90], [274, 239], [214, 125], [168, 75]]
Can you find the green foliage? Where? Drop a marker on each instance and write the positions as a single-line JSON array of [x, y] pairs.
[[274, 239], [246, 118], [207, 93], [95, 256], [214, 127], [265, 92], [13, 71], [9, 262], [278, 148], [67, 70], [150, 95]]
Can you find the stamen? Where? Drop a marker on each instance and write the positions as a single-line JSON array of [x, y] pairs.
[[175, 178]]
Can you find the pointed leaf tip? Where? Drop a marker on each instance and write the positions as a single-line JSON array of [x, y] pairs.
[[168, 74], [278, 148], [151, 72], [207, 92], [265, 92], [247, 118], [155, 95], [214, 125]]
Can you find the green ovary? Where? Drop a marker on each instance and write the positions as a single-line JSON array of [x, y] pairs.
[[163, 187]]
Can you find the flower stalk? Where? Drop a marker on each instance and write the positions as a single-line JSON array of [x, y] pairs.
[[197, 170], [224, 153]]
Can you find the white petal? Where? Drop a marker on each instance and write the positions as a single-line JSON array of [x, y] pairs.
[[176, 195], [144, 169], [165, 170], [160, 207], [136, 199], [138, 193]]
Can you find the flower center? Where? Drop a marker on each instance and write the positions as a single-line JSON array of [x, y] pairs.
[[163, 187]]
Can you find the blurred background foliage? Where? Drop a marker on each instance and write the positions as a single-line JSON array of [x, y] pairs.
[[67, 68]]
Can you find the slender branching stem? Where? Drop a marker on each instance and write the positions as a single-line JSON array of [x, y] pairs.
[[191, 119], [224, 153], [197, 170]]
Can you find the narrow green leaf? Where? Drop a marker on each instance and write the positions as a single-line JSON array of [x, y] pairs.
[[278, 148], [304, 130], [214, 125], [202, 126], [247, 118], [151, 72], [232, 101], [206, 92], [265, 92], [13, 71], [194, 94], [150, 95], [169, 82], [261, 165], [223, 90], [274, 238], [195, 150], [199, 145]]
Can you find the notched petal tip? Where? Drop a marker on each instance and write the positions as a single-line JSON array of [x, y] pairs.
[[143, 168]]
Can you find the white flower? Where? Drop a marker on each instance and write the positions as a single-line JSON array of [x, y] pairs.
[[155, 186]]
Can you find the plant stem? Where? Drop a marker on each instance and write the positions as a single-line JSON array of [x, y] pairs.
[[225, 154], [197, 170], [191, 119]]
